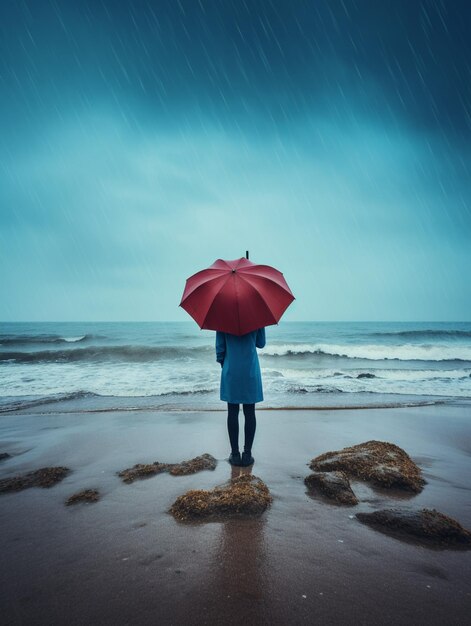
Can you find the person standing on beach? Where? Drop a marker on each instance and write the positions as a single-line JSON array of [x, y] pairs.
[[241, 383]]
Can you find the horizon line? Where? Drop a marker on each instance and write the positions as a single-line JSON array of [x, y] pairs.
[[420, 321]]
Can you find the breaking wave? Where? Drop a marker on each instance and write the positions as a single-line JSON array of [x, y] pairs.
[[406, 352], [102, 353], [21, 340], [6, 404]]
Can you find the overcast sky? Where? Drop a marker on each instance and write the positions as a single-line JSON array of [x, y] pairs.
[[140, 141]]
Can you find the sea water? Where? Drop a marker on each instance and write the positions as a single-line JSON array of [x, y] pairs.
[[174, 363]]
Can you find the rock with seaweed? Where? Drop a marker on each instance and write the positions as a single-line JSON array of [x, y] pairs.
[[428, 525], [198, 464], [243, 496], [86, 495], [145, 470], [43, 477], [379, 462], [142, 470], [333, 485]]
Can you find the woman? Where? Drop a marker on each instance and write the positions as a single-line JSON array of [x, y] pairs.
[[241, 383]]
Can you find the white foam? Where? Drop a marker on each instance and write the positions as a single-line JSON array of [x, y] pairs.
[[414, 375], [453, 382], [73, 339], [110, 379], [157, 378]]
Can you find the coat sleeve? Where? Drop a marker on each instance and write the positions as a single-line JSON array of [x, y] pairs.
[[220, 346], [260, 340]]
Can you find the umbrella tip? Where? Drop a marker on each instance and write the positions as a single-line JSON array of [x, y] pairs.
[[246, 254]]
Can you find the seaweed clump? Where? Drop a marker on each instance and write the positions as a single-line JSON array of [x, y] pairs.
[[144, 470], [428, 525], [86, 495], [43, 477], [245, 495], [198, 464], [380, 462], [333, 485]]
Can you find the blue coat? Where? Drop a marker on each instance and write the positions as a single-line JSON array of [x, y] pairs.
[[241, 379]]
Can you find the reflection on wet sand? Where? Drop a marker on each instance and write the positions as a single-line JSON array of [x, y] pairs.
[[240, 579]]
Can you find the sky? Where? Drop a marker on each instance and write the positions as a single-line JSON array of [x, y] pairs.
[[141, 141]]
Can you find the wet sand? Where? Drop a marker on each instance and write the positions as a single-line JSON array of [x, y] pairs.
[[125, 560]]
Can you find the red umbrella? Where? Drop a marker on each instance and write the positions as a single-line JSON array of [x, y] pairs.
[[236, 296]]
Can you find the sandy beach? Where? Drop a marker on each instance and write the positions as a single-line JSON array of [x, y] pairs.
[[125, 560], [208, 204]]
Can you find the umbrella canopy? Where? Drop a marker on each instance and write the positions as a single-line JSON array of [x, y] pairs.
[[236, 296]]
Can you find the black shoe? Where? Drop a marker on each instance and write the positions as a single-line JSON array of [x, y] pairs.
[[247, 459], [234, 458]]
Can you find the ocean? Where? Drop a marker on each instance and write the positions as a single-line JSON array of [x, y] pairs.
[[171, 365]]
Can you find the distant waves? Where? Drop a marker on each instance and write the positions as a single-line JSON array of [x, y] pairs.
[[425, 333]]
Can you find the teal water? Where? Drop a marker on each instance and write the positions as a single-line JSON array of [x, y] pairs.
[[175, 361]]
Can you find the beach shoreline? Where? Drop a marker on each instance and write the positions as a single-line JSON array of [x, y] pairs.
[[125, 560]]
